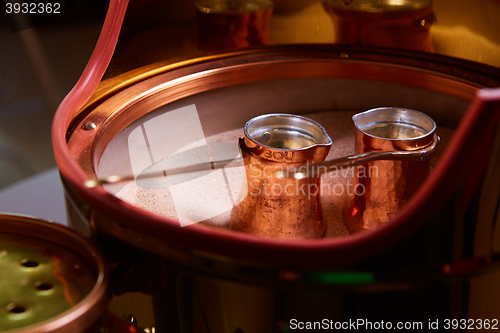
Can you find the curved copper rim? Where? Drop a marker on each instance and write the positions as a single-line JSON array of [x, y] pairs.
[[320, 127], [428, 133], [145, 95], [304, 153], [89, 310], [226, 245], [377, 142]]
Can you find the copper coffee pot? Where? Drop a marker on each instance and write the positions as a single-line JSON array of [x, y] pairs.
[[281, 207], [384, 186]]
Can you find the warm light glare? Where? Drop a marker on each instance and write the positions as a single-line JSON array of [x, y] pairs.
[[396, 2], [300, 175], [354, 211]]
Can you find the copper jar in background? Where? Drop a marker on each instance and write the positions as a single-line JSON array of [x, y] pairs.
[[403, 24], [230, 24], [381, 188], [274, 206]]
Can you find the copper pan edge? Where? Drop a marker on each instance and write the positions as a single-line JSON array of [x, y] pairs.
[[76, 163]]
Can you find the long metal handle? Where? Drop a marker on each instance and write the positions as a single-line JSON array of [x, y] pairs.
[[316, 169], [307, 170]]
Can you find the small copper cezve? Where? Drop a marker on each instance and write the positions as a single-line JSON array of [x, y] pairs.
[[281, 207]]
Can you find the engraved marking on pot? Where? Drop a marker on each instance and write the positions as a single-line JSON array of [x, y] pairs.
[[280, 155]]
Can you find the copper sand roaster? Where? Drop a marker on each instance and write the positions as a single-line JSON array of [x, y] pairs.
[[170, 237]]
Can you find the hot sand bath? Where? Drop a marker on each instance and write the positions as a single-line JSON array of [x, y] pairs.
[[336, 186]]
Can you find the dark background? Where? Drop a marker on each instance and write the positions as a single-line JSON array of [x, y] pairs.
[[41, 59]]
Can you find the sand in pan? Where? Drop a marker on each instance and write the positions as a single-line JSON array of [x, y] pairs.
[[333, 191]]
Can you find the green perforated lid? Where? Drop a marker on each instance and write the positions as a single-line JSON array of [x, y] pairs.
[[50, 277]]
